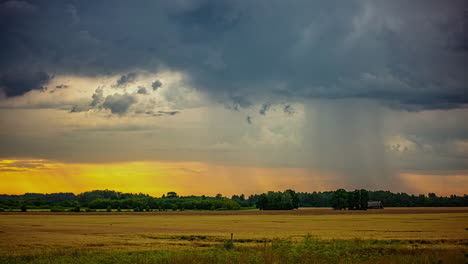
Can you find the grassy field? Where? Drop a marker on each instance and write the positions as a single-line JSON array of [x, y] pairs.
[[393, 235]]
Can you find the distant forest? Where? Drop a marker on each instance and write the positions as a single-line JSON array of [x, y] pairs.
[[289, 199]]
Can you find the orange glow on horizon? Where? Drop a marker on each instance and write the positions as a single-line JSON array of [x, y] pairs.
[[154, 178], [440, 184], [187, 178]]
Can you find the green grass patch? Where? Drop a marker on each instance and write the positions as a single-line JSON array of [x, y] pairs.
[[308, 250]]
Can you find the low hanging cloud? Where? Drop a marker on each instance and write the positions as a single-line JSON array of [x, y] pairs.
[[119, 103]]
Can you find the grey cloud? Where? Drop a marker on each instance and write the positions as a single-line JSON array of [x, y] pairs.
[[288, 109], [162, 113], [168, 112], [19, 83], [416, 54], [264, 108], [22, 165], [142, 90], [97, 97], [119, 103], [76, 109], [156, 84], [126, 79], [15, 8]]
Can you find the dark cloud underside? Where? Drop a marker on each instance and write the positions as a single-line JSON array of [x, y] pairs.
[[410, 55]]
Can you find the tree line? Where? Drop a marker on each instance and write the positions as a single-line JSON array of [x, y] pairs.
[[289, 199], [354, 200]]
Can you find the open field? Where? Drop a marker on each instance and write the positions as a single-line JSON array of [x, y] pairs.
[[301, 211], [422, 231]]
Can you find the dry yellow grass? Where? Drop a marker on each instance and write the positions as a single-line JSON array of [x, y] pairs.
[[25, 234]]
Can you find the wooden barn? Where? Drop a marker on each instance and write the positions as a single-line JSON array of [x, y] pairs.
[[375, 205]]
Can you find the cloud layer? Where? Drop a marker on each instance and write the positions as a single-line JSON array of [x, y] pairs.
[[408, 55]]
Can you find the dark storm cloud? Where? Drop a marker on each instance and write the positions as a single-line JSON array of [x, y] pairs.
[[409, 55], [119, 103], [16, 8], [125, 79], [19, 83], [156, 84]]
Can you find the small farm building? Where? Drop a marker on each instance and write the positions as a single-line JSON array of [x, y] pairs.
[[375, 205]]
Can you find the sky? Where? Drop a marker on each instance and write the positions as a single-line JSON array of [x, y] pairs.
[[207, 97]]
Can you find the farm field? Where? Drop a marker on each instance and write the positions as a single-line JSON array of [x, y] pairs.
[[423, 234]]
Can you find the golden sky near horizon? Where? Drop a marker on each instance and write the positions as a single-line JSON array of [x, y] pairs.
[[187, 178]]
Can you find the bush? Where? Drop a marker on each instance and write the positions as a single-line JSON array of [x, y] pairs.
[[228, 244], [136, 209], [90, 210], [109, 209], [54, 209], [2, 210], [148, 209], [118, 209], [75, 209]]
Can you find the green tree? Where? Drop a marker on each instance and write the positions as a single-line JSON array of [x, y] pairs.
[[339, 199], [364, 199], [262, 202], [353, 200], [295, 198]]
